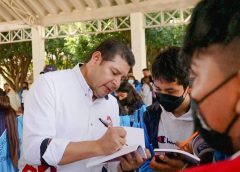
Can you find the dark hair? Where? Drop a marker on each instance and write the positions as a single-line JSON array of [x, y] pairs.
[[133, 98], [48, 68], [169, 66], [10, 123], [145, 69], [212, 21], [111, 47]]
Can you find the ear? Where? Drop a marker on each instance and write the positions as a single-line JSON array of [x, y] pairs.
[[96, 57]]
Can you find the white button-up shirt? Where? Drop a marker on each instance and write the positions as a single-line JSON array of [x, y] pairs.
[[59, 106]]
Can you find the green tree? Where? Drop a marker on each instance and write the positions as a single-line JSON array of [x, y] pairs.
[[80, 47], [15, 59], [159, 38]]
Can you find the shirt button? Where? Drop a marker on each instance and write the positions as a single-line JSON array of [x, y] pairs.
[[91, 124]]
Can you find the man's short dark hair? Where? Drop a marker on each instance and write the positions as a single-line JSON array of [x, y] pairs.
[[169, 66], [145, 69], [212, 22], [111, 47]]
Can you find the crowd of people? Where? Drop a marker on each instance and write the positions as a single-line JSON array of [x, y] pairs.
[[192, 90]]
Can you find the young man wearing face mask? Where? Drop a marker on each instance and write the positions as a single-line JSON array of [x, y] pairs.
[[212, 45], [169, 120]]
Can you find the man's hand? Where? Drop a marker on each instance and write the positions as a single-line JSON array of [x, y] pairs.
[[167, 164], [112, 140], [132, 161]]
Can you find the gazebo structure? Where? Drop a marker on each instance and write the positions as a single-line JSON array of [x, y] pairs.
[[37, 20]]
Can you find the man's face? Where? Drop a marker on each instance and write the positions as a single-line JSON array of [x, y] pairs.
[[6, 87], [170, 88], [106, 76], [218, 109], [146, 73]]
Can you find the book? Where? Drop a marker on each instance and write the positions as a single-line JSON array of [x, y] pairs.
[[178, 154], [135, 142], [115, 156]]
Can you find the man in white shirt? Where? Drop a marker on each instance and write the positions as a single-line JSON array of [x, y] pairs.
[[61, 119]]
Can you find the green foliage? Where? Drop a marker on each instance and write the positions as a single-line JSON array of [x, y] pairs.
[[80, 47], [15, 60], [159, 38]]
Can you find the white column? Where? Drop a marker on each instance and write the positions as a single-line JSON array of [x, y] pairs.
[[38, 50], [138, 43]]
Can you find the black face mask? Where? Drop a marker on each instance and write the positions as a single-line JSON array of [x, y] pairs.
[[219, 141], [169, 102]]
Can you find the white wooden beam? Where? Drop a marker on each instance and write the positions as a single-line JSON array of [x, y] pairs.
[[37, 7], [91, 3], [5, 15], [106, 3], [63, 5], [78, 4], [49, 6], [12, 26], [6, 9], [120, 10], [38, 50], [120, 2], [24, 6], [135, 1]]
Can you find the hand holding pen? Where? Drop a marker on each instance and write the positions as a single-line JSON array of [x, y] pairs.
[[113, 139]]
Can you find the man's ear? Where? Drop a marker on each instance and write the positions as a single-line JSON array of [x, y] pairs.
[[96, 57]]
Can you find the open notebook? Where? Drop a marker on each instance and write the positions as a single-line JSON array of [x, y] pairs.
[[135, 142]]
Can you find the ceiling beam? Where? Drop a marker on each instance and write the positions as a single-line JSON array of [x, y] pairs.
[[8, 26], [120, 2], [49, 6], [63, 5], [37, 7], [91, 3], [24, 6], [6, 7], [78, 4], [5, 14], [135, 1], [106, 3], [120, 10]]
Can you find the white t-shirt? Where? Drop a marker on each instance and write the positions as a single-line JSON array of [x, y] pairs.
[[14, 99], [172, 129], [59, 105], [146, 94]]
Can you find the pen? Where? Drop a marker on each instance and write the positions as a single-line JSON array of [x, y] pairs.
[[106, 125], [189, 139]]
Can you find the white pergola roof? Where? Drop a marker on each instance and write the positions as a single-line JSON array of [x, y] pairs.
[[15, 14], [37, 20]]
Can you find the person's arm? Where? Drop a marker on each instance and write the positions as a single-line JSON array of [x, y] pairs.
[[110, 142]]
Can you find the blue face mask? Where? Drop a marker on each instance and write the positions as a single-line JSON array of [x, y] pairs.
[[130, 81]]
